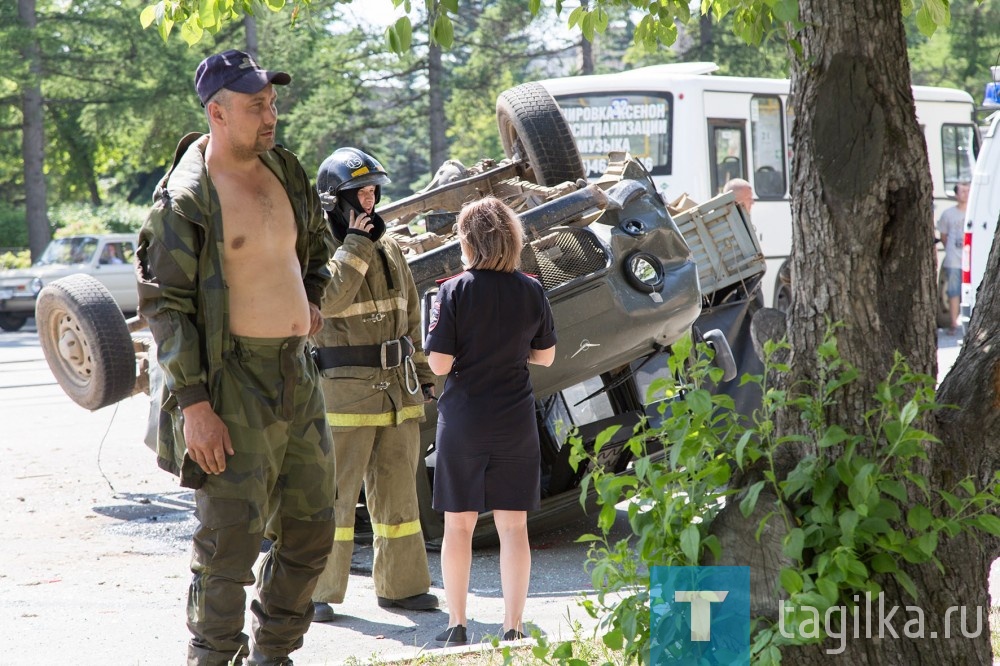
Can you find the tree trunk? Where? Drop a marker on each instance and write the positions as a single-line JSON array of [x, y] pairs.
[[33, 135], [706, 38], [438, 122], [586, 48], [863, 255], [250, 28]]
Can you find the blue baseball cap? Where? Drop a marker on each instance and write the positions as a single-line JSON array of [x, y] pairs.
[[233, 70]]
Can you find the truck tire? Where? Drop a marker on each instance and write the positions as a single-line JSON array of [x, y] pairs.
[[783, 288], [86, 341], [12, 322], [533, 128]]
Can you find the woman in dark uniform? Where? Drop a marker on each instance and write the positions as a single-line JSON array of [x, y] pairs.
[[486, 325]]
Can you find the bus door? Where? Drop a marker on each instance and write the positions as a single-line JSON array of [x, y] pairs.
[[727, 152]]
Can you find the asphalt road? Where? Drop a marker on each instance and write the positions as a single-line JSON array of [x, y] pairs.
[[94, 558]]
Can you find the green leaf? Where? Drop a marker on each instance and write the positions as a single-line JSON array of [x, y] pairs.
[[828, 589], [925, 23], [939, 12], [614, 639], [534, 6], [574, 18], [792, 544], [904, 579], [988, 523], [392, 39], [601, 22], [748, 503], [450, 5], [894, 488], [741, 447], [791, 580], [691, 543], [834, 435], [699, 401], [604, 437], [848, 521], [563, 651], [147, 16], [919, 517], [786, 10], [443, 31], [883, 563]]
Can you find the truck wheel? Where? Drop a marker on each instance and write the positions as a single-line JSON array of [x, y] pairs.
[[783, 288], [533, 128], [12, 322], [86, 341]]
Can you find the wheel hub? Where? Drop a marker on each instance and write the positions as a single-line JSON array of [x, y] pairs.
[[73, 347]]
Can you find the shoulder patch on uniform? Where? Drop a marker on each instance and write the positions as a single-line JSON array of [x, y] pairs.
[[435, 315]]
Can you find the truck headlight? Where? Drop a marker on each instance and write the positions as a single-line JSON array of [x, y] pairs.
[[36, 285], [644, 272]]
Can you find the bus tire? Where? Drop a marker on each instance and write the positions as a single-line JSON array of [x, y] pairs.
[[533, 128], [86, 341]]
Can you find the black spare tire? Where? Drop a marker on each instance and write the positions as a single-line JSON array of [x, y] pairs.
[[533, 128], [86, 341]]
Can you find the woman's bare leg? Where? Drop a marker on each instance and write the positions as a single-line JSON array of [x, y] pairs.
[[515, 565], [456, 562]]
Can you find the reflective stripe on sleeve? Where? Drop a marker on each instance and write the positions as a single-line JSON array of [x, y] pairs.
[[350, 259], [343, 534]]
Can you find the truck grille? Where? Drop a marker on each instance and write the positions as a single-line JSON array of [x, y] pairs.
[[563, 255]]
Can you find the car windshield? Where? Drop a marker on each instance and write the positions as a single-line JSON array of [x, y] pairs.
[[79, 250]]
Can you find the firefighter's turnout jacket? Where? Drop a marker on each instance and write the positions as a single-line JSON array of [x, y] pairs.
[[372, 300], [370, 308]]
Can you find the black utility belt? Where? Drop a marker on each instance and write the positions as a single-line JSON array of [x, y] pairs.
[[388, 355]]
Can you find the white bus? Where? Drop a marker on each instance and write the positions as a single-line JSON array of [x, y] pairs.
[[694, 131]]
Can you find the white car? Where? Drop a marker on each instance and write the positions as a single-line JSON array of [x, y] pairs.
[[108, 258]]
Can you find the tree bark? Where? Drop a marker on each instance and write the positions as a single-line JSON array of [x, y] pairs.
[[586, 48], [438, 121], [250, 28], [33, 135], [863, 255]]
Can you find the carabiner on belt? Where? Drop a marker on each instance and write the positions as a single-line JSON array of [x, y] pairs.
[[410, 374]]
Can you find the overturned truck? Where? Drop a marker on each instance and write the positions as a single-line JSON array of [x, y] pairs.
[[625, 278]]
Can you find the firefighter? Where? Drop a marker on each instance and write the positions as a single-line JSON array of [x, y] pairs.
[[376, 381]]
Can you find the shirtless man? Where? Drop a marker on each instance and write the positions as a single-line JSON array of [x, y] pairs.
[[232, 263]]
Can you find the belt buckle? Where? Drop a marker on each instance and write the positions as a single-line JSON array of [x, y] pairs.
[[387, 345]]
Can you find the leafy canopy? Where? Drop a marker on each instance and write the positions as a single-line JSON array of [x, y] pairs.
[[753, 19]]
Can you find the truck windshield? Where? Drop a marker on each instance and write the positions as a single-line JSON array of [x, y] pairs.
[[78, 250]]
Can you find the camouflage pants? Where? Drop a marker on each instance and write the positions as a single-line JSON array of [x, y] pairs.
[[283, 468], [386, 459]]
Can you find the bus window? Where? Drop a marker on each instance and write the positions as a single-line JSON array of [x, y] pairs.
[[639, 123], [766, 141], [958, 152], [727, 148]]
